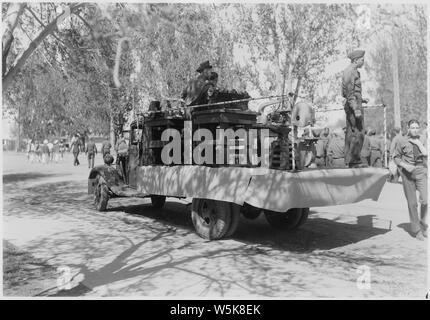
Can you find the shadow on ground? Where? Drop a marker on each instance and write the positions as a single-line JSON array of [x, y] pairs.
[[315, 234], [166, 241], [16, 177]]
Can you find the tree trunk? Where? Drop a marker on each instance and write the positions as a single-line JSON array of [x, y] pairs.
[[19, 128], [296, 92], [9, 24], [112, 130]]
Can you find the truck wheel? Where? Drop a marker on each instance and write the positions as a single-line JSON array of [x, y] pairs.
[[290, 220], [101, 194], [234, 221], [158, 201], [249, 212], [211, 218]]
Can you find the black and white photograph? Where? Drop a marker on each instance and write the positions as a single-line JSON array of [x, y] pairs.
[[214, 151]]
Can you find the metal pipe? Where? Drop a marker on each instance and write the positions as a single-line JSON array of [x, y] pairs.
[[365, 107], [236, 101]]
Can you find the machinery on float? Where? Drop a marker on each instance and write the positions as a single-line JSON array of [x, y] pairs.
[[235, 184]]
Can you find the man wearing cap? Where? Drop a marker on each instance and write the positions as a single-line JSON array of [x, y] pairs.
[[195, 92], [351, 91]]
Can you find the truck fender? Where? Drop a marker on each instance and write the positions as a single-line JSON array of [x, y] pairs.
[[109, 173]]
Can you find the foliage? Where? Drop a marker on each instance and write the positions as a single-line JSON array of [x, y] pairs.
[[408, 38], [60, 78]]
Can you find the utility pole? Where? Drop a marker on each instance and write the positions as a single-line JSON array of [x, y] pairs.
[[396, 86], [111, 124]]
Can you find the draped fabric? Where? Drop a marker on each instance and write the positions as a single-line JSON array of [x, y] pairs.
[[268, 189]]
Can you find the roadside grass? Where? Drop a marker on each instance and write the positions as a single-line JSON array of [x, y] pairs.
[[23, 274]]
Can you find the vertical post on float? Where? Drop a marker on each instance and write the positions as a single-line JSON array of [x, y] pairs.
[[293, 152], [385, 136]]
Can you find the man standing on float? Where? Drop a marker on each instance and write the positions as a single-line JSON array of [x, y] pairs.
[[351, 91]]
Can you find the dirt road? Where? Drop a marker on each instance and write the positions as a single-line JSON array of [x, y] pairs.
[[133, 250]]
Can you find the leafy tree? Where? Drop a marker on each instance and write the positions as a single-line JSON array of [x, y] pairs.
[[293, 41]]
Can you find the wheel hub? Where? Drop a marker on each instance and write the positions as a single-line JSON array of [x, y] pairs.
[[208, 212]]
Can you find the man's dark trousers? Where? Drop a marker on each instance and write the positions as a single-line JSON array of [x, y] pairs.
[[121, 161], [417, 180], [354, 136], [76, 161], [90, 160]]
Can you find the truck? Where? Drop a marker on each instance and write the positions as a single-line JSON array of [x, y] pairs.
[[230, 164]]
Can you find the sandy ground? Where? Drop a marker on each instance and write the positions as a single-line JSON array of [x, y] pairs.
[[133, 250]]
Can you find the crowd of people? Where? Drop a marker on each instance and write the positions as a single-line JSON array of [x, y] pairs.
[[329, 149], [53, 150], [46, 151]]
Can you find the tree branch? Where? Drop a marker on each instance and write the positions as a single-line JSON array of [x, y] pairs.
[[43, 25], [22, 58], [84, 21]]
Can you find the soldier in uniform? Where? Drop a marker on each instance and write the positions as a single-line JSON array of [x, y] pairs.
[[410, 155], [194, 93], [351, 91]]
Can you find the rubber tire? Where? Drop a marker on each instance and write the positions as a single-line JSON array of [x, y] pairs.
[[101, 194], [158, 201], [217, 224], [290, 220], [250, 213], [303, 218], [234, 221]]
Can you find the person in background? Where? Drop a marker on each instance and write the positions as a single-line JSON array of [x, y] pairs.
[[375, 149], [351, 91], [336, 150], [108, 159], [50, 147], [82, 142], [386, 147], [410, 156], [91, 151], [121, 149], [75, 147], [56, 151], [62, 147], [106, 148], [365, 150], [196, 89], [45, 152], [213, 81], [306, 150], [321, 149], [29, 143], [38, 151]]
